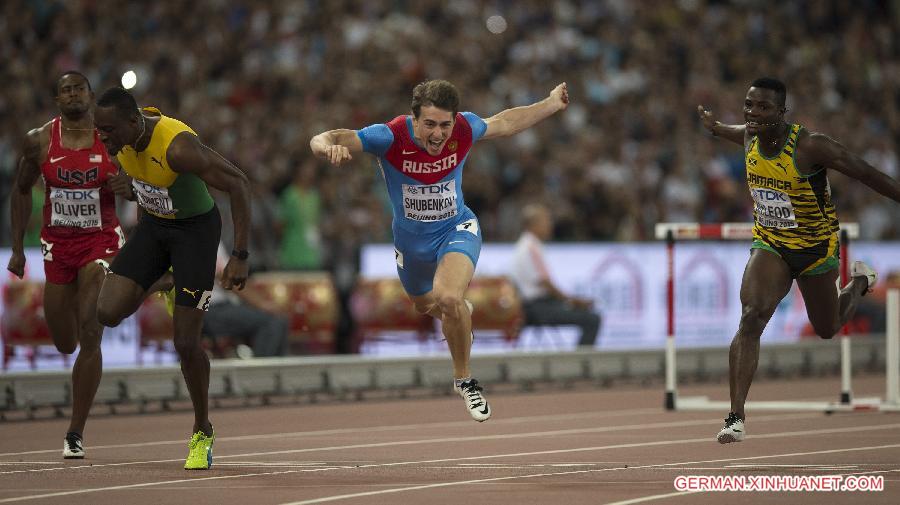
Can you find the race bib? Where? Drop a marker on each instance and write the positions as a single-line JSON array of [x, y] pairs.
[[773, 208], [75, 207], [154, 199], [430, 202]]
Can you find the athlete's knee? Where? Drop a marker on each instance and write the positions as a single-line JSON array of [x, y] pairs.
[[424, 307], [186, 347], [754, 319], [90, 339], [66, 347], [825, 330], [451, 305], [109, 316]]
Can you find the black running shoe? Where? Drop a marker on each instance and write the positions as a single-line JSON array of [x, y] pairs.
[[73, 446]]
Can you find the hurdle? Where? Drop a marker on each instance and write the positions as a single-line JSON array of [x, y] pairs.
[[673, 232]]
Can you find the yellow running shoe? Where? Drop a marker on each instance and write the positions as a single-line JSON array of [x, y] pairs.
[[169, 297], [200, 454]]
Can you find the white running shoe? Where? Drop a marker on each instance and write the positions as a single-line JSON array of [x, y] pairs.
[[733, 430], [73, 446], [475, 402], [860, 269]]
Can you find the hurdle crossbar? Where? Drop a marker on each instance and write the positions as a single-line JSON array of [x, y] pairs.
[[672, 232]]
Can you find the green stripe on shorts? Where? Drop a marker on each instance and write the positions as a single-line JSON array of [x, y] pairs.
[[759, 244]]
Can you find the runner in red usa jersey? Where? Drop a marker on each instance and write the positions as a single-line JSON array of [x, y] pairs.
[[437, 238], [80, 223], [80, 233]]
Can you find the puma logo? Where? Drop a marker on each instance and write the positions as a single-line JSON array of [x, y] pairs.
[[192, 292], [154, 160], [781, 166]]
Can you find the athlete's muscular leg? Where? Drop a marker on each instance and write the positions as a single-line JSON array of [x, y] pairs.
[[194, 362], [61, 313], [427, 304], [766, 281], [446, 302], [119, 298], [164, 283], [828, 311], [89, 363]]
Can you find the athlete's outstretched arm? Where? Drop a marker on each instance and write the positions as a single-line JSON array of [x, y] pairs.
[[336, 146], [186, 154], [827, 152], [512, 121], [734, 133], [27, 173]]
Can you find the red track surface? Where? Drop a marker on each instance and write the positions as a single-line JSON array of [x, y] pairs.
[[577, 447]]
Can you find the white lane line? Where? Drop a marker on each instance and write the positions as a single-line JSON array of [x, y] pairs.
[[29, 463], [374, 429], [480, 438], [554, 474], [134, 486], [801, 467], [655, 497], [493, 456]]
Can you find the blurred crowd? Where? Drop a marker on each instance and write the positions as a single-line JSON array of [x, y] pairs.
[[257, 78]]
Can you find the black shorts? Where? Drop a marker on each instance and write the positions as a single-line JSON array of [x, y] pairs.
[[188, 245], [818, 259]]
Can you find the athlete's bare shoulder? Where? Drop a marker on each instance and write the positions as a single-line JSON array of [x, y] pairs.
[[37, 142], [814, 150]]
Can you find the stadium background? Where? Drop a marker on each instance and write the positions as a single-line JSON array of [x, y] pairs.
[[257, 79]]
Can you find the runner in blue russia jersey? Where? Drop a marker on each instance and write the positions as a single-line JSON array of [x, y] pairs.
[[436, 237], [430, 215]]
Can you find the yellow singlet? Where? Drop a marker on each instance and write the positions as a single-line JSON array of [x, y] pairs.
[[160, 190], [791, 210]]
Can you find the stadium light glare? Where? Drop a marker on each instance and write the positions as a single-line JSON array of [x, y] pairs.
[[129, 79], [496, 24]]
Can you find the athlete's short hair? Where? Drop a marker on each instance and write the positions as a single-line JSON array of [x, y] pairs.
[[439, 93], [125, 104], [70, 72], [775, 85]]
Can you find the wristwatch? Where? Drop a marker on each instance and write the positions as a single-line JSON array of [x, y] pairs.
[[240, 254]]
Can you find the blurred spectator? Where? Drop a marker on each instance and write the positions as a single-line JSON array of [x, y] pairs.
[[301, 242], [246, 318], [544, 303], [267, 74]]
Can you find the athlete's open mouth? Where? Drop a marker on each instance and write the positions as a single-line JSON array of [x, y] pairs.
[[436, 144]]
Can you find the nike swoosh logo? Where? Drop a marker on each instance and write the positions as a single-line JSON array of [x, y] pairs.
[[409, 152], [456, 242], [54, 160], [737, 431], [485, 410], [110, 251]]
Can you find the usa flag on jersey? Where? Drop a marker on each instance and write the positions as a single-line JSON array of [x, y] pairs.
[[425, 190]]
